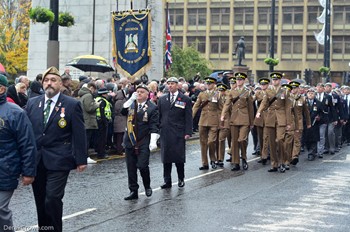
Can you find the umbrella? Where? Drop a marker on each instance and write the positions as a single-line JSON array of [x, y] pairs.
[[91, 63], [284, 81], [299, 80]]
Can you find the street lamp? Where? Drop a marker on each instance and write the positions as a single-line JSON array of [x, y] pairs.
[[53, 47], [272, 35]]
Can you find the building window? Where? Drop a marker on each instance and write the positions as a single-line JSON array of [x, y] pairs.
[[197, 42], [341, 15], [219, 44], [197, 17], [293, 15], [264, 44], [244, 16], [292, 44], [220, 16], [178, 40], [313, 13], [341, 44], [265, 15], [176, 17], [313, 47]]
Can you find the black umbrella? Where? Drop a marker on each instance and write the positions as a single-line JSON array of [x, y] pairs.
[[91, 63]]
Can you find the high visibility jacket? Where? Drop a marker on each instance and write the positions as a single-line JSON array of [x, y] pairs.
[[108, 110]]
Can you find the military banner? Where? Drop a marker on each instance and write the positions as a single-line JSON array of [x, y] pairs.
[[131, 42]]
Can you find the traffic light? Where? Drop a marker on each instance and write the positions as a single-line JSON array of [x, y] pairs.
[[308, 74]]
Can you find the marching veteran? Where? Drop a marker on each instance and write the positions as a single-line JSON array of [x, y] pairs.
[[141, 137], [175, 115], [240, 102], [59, 131]]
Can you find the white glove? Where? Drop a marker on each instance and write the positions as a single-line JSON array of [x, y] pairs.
[[128, 103], [153, 142]]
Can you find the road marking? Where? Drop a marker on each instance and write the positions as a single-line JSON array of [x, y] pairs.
[[33, 227], [189, 179], [199, 176]]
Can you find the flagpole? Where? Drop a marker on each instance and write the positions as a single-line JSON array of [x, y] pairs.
[[131, 5], [326, 56]]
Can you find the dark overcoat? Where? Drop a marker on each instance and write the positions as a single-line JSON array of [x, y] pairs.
[[175, 123], [316, 109]]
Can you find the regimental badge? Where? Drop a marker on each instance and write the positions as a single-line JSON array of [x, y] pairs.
[[315, 108], [62, 123]]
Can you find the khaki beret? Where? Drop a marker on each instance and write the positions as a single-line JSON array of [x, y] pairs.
[[51, 70]]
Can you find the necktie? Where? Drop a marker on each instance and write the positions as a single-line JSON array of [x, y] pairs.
[[172, 99], [140, 107], [47, 111]]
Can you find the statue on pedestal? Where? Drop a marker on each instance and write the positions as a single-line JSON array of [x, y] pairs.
[[240, 51]]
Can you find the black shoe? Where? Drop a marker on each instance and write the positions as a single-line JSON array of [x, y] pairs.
[[286, 167], [165, 186], [148, 192], [255, 153], [244, 164], [302, 149], [181, 183], [220, 163], [320, 156], [272, 170], [263, 161], [102, 156], [204, 167], [132, 196], [229, 159], [294, 161], [236, 168], [213, 165]]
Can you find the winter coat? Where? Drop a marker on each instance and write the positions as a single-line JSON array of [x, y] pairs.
[[17, 145], [36, 89], [89, 108], [119, 119]]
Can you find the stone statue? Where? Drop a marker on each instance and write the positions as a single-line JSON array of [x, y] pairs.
[[240, 51]]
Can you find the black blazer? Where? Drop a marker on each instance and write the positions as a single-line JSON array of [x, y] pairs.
[[60, 147], [147, 120]]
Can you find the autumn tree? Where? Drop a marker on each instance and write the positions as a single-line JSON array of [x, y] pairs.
[[187, 62], [14, 35]]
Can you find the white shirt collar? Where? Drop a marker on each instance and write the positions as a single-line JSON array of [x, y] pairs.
[[175, 94], [54, 98]]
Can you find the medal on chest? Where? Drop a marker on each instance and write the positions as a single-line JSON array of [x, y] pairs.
[[62, 122]]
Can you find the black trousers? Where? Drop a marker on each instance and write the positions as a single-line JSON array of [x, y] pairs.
[[180, 167], [118, 141], [311, 148], [48, 189], [101, 138], [138, 161]]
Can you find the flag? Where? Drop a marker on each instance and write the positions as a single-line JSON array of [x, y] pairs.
[[168, 59], [320, 36]]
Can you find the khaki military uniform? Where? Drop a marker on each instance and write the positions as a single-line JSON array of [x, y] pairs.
[[259, 123], [301, 110], [241, 118], [208, 123], [224, 128], [277, 117]]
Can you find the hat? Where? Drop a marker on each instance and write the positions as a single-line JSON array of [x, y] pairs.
[[329, 84], [264, 81], [81, 78], [142, 86], [233, 80], [102, 91], [172, 79], [287, 86], [110, 86], [276, 75], [3, 80], [222, 87], [66, 77], [240, 76], [311, 90], [210, 80], [51, 70], [294, 84], [220, 72]]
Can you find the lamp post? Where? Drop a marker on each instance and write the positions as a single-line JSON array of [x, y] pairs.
[[326, 56], [272, 35], [53, 46]]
